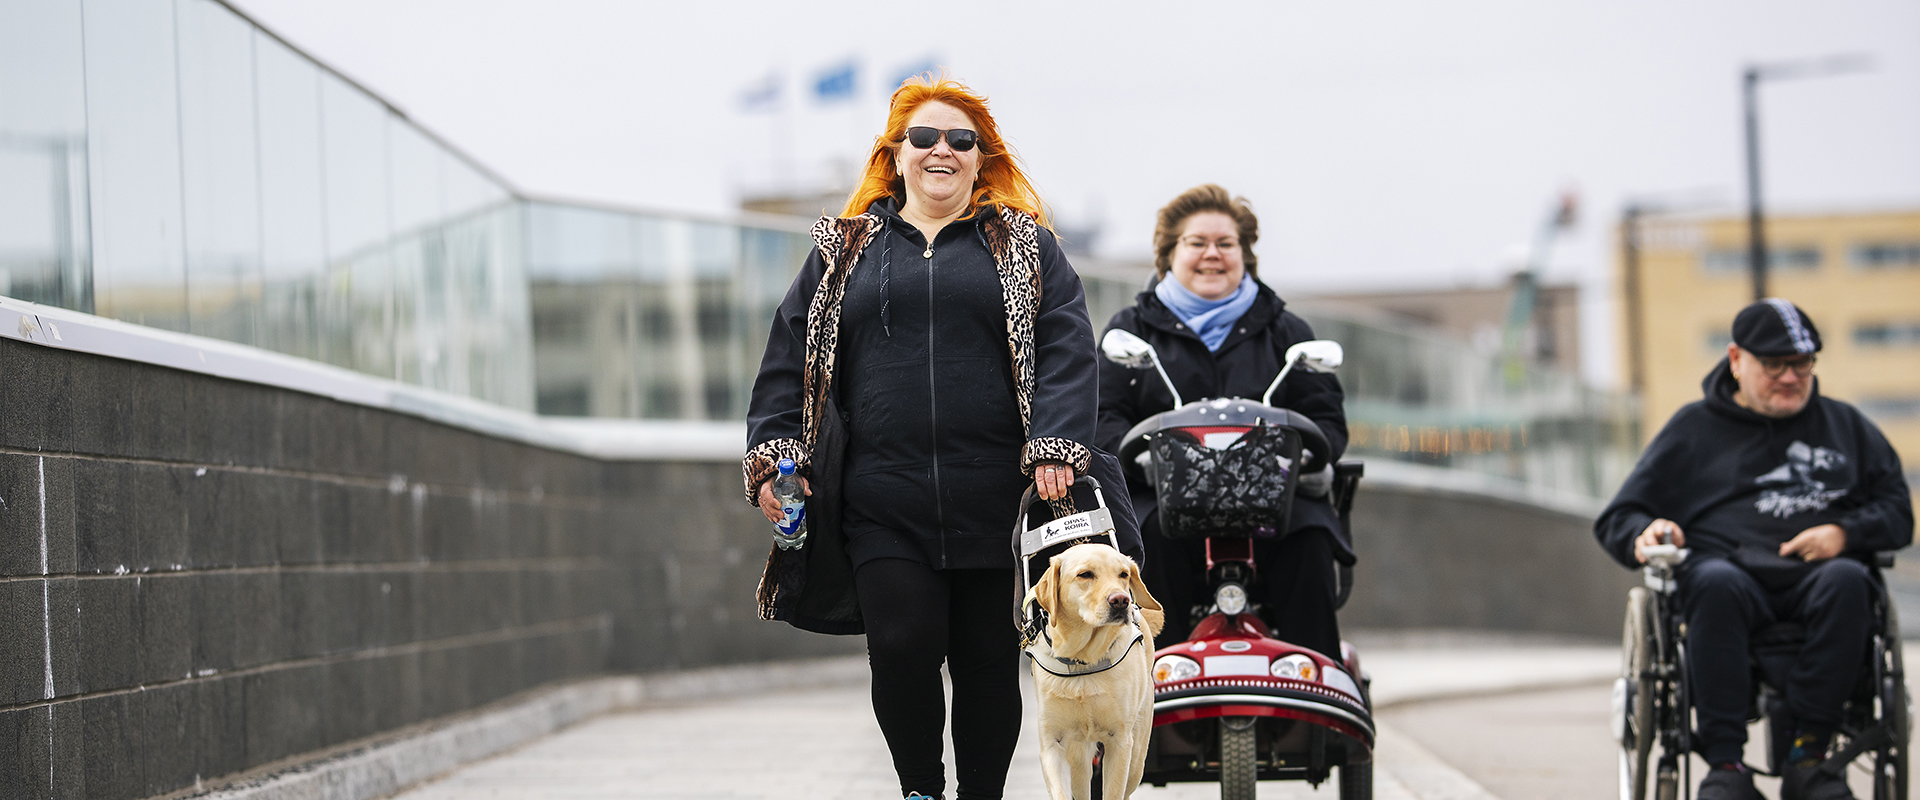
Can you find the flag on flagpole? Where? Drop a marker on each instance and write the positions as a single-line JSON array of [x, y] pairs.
[[835, 83], [930, 64], [761, 95]]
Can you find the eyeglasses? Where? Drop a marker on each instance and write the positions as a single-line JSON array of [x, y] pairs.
[[1775, 367], [960, 139], [1200, 244]]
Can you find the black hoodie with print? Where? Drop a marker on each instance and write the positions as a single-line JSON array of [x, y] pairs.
[[1732, 477]]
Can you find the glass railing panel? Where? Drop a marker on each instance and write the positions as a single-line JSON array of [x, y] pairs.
[[220, 172], [45, 241], [294, 287], [651, 316], [133, 124]]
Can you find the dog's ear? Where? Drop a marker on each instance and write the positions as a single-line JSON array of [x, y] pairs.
[[1047, 591], [1142, 599]]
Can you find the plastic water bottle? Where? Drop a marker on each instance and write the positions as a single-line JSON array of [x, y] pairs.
[[791, 532]]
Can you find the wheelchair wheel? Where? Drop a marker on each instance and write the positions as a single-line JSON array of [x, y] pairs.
[[1890, 764], [1633, 695], [1356, 782], [1667, 784], [1896, 710], [1239, 771]]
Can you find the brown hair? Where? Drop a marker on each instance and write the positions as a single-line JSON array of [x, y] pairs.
[[1200, 199], [1000, 182]]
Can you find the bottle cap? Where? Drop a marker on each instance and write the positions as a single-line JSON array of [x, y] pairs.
[[786, 466]]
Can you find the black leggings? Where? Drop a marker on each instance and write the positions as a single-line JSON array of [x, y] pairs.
[[916, 618]]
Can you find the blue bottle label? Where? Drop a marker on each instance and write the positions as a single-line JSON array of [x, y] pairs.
[[796, 514]]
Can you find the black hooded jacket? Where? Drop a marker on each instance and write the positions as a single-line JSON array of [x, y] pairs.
[[1243, 366], [1730, 477], [936, 458]]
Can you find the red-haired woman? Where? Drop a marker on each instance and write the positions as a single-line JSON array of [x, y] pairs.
[[940, 317]]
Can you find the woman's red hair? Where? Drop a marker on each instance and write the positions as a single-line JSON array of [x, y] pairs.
[[1000, 181]]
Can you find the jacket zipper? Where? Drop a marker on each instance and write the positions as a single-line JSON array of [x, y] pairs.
[[933, 414]]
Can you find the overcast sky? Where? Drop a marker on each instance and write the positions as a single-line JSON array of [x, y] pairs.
[[1383, 143]]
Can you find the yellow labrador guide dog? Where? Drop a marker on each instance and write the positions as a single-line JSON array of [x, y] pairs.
[[1092, 670]]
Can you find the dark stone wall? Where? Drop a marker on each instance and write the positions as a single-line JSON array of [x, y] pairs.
[[215, 576], [1438, 559], [199, 577]]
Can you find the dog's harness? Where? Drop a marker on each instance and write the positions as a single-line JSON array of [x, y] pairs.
[[1039, 645]]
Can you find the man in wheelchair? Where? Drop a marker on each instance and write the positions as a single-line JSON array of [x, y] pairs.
[[1783, 496]]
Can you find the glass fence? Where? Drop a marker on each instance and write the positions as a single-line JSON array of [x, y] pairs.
[[188, 170], [651, 316], [1416, 396]]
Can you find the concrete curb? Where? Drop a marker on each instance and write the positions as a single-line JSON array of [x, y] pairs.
[[387, 767], [384, 768], [1419, 772]]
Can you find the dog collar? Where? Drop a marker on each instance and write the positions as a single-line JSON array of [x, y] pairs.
[[1040, 648]]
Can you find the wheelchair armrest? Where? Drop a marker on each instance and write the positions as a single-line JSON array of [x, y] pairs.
[[1883, 559], [1346, 480]]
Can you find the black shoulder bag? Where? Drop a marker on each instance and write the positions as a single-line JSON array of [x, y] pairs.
[[816, 581]]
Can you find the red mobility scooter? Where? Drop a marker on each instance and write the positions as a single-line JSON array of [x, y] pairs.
[[1232, 704]]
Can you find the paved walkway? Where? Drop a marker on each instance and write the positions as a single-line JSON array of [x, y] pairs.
[[823, 743]]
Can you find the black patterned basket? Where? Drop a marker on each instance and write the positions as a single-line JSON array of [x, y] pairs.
[[1243, 490]]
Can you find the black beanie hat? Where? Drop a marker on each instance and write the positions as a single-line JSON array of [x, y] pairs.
[[1774, 327]]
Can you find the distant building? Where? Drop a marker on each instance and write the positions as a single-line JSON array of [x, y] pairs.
[[1857, 275], [1479, 315], [805, 205]]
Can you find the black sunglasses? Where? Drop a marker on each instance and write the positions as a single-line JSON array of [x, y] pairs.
[[960, 139]]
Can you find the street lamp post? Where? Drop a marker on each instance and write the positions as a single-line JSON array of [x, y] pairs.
[[1630, 269], [1749, 90], [1756, 220]]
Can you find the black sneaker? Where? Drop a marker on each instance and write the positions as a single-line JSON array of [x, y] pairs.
[[1728, 783], [1813, 783]]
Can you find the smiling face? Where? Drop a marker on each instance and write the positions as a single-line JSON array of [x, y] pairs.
[[939, 180], [1207, 258]]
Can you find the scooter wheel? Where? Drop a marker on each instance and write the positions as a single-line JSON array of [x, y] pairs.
[[1239, 767], [1356, 781]]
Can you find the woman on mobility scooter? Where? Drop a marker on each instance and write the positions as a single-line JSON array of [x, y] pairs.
[[1243, 512], [1220, 332]]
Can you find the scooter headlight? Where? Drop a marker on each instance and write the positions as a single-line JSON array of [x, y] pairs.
[[1175, 668], [1296, 666], [1338, 679], [1230, 598]]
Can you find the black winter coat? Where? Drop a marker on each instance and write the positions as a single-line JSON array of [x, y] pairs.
[[1730, 477], [1243, 366], [948, 406]]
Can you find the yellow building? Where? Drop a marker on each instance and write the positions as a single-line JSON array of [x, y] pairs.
[[1857, 275]]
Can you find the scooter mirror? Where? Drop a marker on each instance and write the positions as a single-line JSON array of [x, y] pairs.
[[1130, 351], [1126, 349], [1319, 355]]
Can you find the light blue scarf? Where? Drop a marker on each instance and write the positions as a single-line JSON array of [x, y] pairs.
[[1211, 319]]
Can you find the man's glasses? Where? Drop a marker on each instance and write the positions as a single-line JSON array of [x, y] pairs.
[[1775, 367], [960, 139]]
